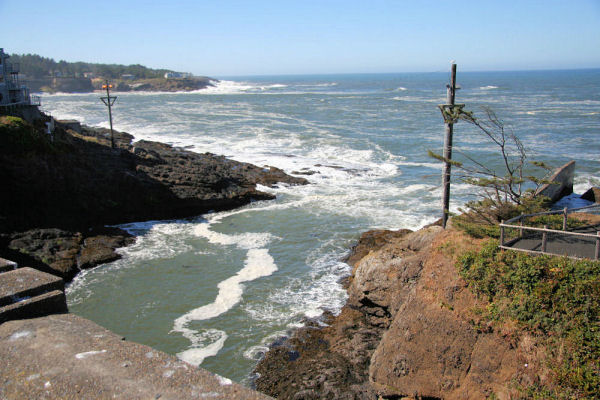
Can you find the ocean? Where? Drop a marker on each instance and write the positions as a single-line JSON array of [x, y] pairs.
[[217, 289]]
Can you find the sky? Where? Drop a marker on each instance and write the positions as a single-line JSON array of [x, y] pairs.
[[273, 37]]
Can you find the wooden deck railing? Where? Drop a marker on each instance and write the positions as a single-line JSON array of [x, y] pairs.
[[510, 224]]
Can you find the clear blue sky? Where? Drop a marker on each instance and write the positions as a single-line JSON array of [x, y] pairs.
[[220, 38]]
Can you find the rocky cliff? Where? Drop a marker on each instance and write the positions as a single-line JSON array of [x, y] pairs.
[[408, 330], [72, 181]]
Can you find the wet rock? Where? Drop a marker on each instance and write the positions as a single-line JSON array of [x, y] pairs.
[[592, 194], [64, 253]]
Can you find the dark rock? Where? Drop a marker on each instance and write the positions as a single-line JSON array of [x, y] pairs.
[[78, 181], [55, 190], [64, 253], [592, 194]]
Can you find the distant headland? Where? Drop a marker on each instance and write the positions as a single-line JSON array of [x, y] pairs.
[[47, 75]]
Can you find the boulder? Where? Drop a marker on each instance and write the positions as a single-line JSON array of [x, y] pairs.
[[592, 194]]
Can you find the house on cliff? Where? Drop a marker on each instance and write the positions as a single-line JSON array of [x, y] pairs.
[[13, 92]]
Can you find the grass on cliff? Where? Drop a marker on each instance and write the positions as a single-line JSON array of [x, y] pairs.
[[556, 299], [19, 137]]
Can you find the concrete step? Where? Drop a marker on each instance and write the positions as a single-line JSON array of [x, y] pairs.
[[7, 265], [68, 357], [53, 302], [26, 282]]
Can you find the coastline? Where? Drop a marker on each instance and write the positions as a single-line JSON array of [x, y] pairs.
[[404, 296], [63, 190], [87, 85]]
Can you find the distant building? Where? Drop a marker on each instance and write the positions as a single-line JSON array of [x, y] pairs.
[[174, 75], [12, 92]]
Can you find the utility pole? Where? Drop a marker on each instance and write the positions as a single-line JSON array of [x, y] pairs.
[[451, 113], [109, 101]]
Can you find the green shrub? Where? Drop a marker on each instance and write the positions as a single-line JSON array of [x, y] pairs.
[[555, 298]]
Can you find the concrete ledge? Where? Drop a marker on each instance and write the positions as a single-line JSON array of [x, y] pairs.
[[26, 282], [68, 357], [7, 265], [562, 183], [37, 306]]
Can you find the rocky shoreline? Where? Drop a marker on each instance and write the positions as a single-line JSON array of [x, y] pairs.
[[407, 331], [61, 190], [87, 85]]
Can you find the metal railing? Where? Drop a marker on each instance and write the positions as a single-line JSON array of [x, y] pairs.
[[521, 229]]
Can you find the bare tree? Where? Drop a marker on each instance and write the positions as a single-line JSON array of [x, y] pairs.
[[499, 188]]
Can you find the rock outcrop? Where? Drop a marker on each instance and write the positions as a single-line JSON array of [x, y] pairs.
[[56, 189], [86, 85], [64, 253], [161, 84], [408, 330]]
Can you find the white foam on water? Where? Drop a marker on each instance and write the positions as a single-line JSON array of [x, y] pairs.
[[584, 181], [243, 240], [257, 352], [489, 87], [204, 344], [258, 263]]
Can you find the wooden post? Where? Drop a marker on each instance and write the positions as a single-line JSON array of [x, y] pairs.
[[598, 246], [521, 223], [112, 136], [544, 239], [565, 219], [109, 101], [501, 233], [450, 94]]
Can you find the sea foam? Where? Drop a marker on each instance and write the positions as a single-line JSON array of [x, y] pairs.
[[259, 263]]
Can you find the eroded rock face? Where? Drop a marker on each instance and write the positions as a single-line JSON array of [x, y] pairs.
[[406, 331], [65, 253]]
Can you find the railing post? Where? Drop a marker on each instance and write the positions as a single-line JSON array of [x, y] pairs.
[[521, 223], [544, 239], [502, 233], [565, 219], [598, 245]]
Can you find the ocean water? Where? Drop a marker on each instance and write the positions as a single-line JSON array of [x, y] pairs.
[[216, 289]]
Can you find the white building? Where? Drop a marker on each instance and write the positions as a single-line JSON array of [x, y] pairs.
[[12, 92], [175, 75]]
